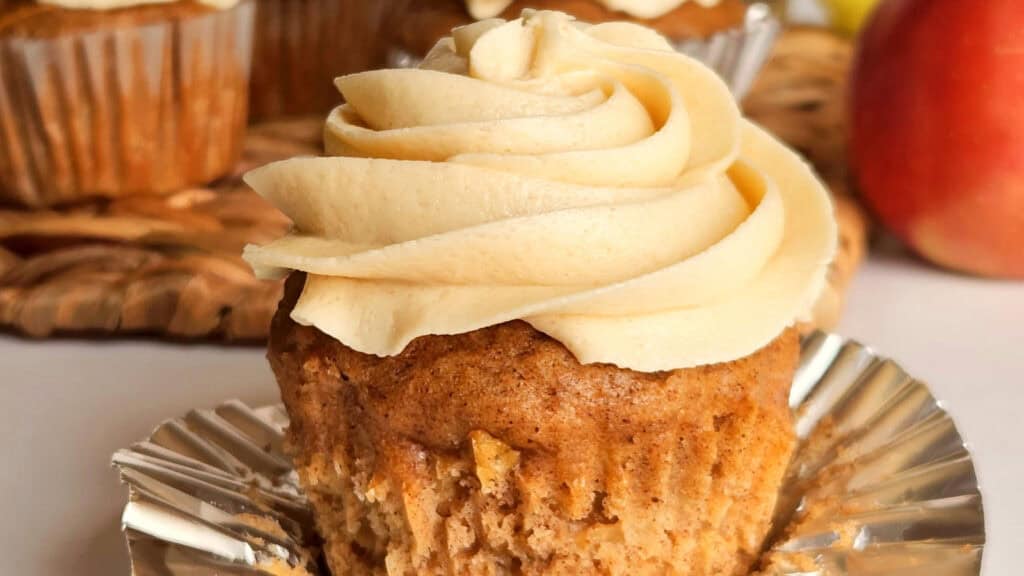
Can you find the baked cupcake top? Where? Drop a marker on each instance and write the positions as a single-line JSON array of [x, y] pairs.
[[482, 9], [586, 179]]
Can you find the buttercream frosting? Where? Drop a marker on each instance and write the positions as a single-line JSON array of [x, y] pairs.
[[586, 179]]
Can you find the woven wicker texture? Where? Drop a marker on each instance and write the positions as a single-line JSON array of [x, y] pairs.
[[159, 265]]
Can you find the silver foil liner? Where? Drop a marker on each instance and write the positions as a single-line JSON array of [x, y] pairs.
[[736, 54], [881, 484]]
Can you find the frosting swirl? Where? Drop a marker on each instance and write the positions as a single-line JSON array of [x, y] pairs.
[[586, 179], [482, 9], [117, 4]]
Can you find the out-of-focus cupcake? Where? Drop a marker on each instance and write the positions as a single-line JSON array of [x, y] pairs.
[[104, 98], [303, 45], [419, 24], [540, 318]]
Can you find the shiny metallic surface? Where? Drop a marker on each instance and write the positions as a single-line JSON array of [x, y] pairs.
[[737, 54], [881, 484], [214, 493]]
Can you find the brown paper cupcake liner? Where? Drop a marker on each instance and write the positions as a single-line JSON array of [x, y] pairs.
[[881, 483], [133, 109], [302, 45]]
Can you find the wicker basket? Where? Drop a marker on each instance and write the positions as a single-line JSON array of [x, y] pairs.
[[800, 96]]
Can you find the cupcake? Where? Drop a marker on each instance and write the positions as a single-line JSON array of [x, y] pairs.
[[419, 24], [549, 330], [303, 45], [112, 97]]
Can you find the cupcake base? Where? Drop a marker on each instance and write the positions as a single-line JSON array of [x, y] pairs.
[[496, 452]]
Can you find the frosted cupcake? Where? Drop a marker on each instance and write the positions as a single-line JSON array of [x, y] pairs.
[[102, 98], [419, 24], [548, 330]]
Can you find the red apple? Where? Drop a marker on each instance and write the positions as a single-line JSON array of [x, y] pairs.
[[937, 129]]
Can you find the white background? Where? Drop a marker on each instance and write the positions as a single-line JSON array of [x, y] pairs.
[[69, 404]]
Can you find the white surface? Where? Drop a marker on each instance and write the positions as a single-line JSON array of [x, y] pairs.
[[68, 405]]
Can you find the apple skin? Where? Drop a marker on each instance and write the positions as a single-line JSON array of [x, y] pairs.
[[937, 129]]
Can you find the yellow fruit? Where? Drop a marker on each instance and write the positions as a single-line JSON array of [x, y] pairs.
[[849, 15]]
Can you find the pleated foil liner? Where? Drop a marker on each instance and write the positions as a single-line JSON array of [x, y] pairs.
[[881, 484], [737, 54], [123, 109], [213, 493]]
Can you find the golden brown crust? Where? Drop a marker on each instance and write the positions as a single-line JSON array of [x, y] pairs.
[[421, 24], [497, 452]]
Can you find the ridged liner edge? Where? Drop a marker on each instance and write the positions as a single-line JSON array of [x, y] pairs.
[[881, 483]]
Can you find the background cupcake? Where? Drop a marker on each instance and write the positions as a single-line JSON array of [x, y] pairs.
[[137, 98], [302, 45], [419, 24]]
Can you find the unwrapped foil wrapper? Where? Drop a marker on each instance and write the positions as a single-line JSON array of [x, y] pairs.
[[736, 54], [881, 484]]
